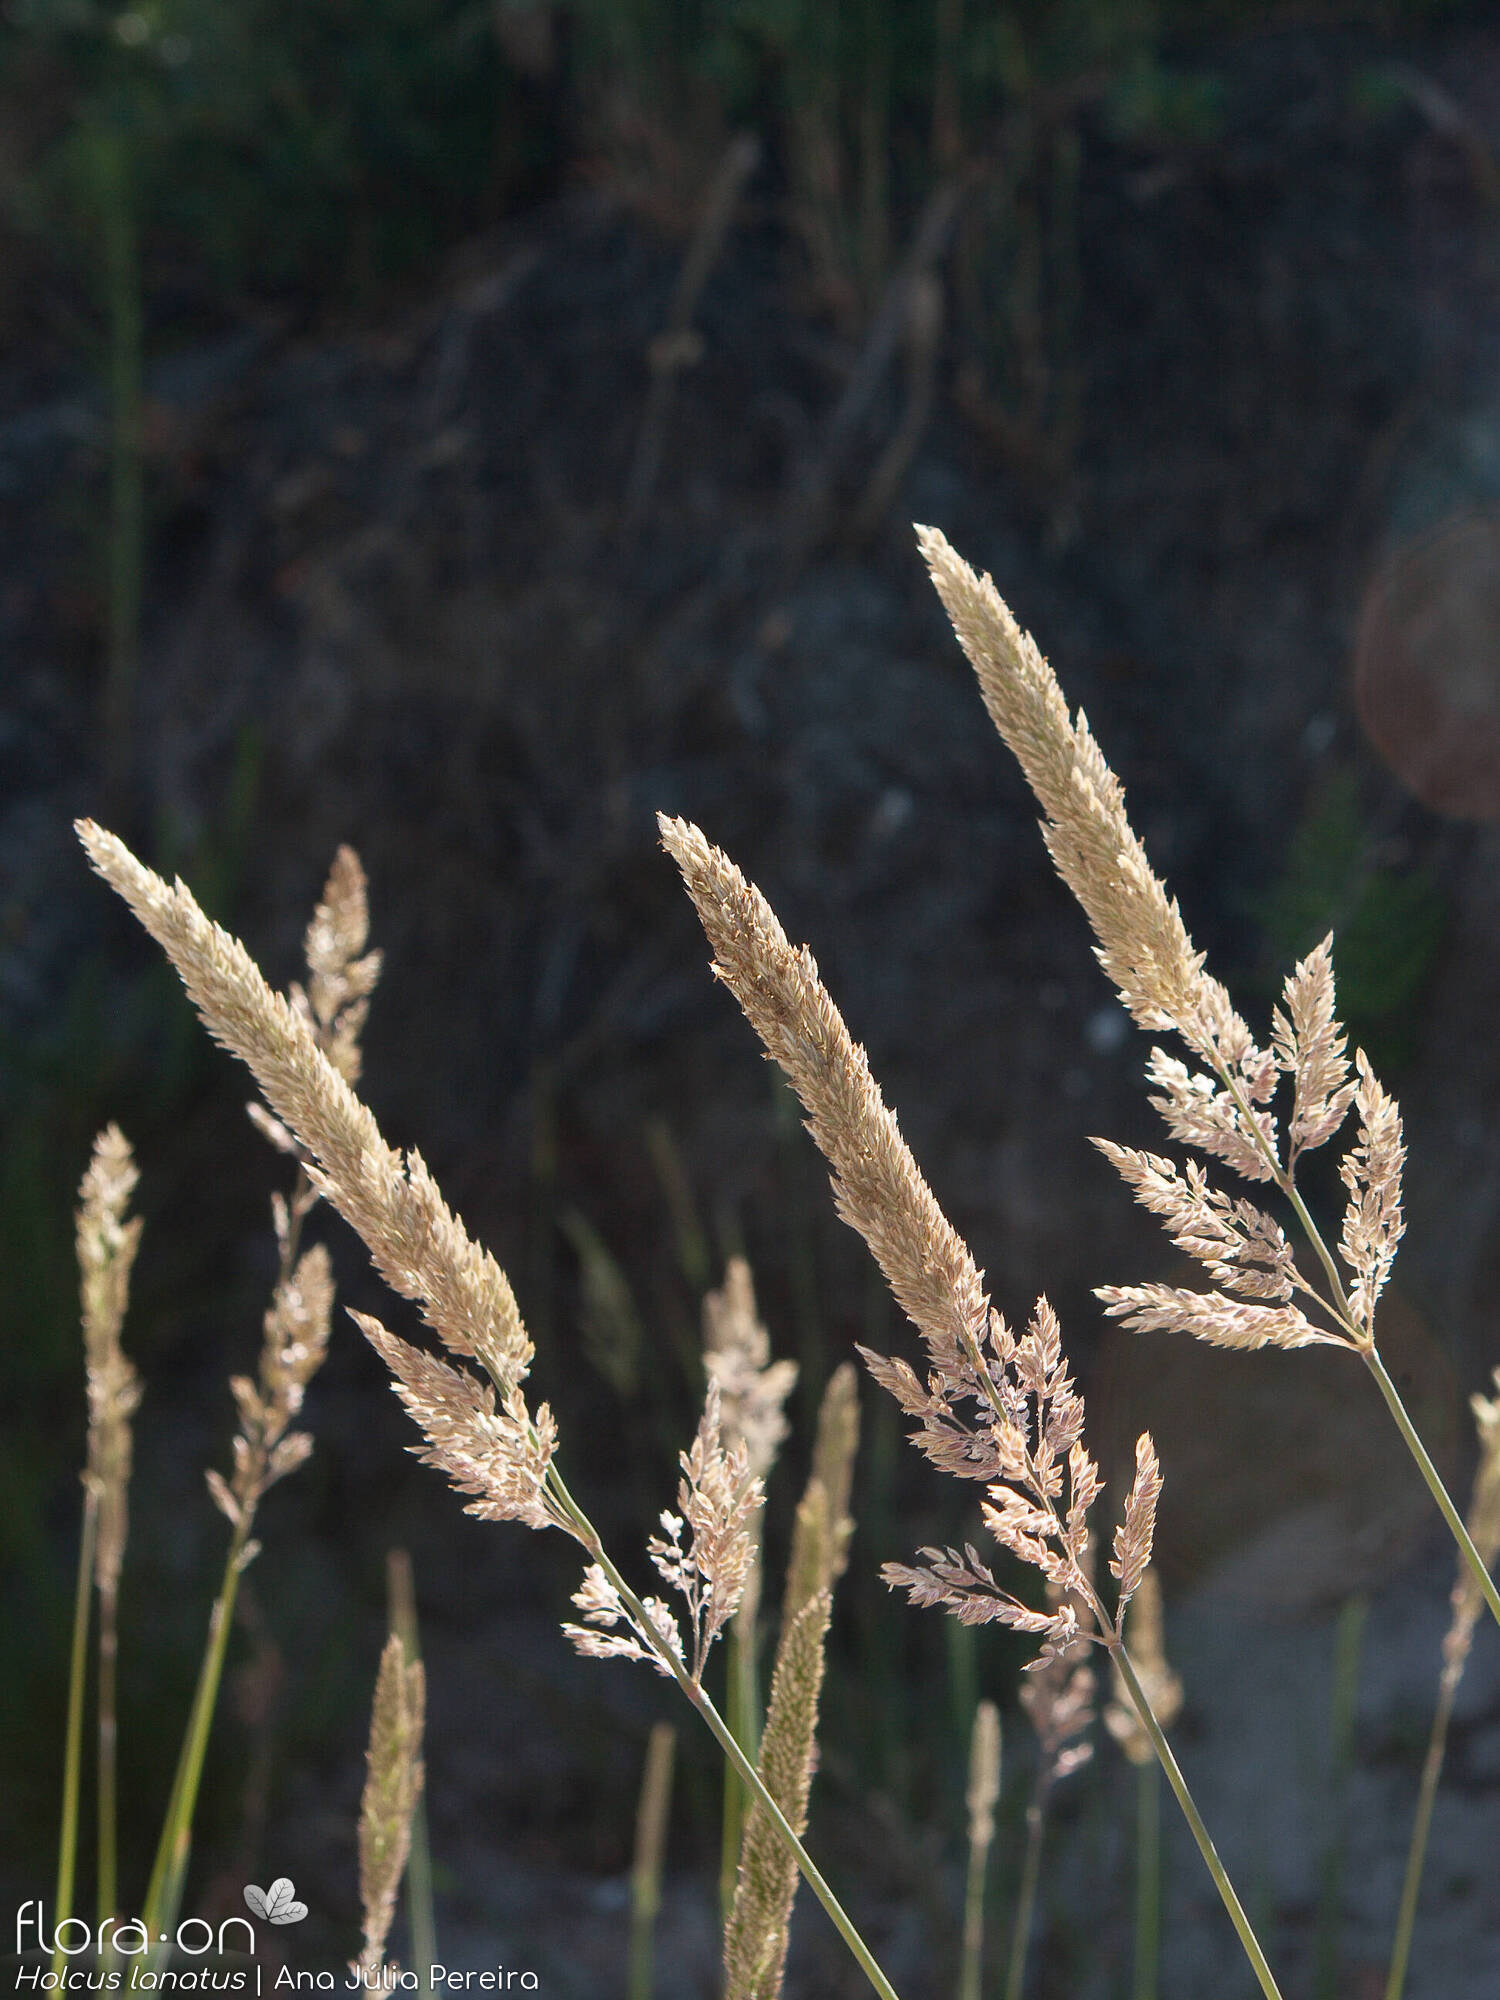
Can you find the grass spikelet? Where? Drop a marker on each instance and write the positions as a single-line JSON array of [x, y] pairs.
[[752, 1390], [705, 1553], [737, 1355], [393, 1784]]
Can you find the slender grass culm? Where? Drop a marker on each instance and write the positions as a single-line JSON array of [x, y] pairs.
[[1164, 1689], [650, 1850], [1484, 1528]]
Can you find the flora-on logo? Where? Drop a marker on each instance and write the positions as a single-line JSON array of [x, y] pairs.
[[278, 1904]]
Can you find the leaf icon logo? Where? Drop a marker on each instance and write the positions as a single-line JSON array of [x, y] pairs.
[[278, 1904]]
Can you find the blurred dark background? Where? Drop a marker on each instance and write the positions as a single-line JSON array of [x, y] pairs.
[[463, 429]]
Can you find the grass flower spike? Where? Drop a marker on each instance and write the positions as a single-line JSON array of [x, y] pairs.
[[393, 1785]]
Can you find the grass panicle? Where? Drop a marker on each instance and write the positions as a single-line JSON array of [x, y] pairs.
[[294, 1345], [393, 1786], [1224, 1108]]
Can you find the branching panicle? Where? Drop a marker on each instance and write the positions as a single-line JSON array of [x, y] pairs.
[[705, 1553]]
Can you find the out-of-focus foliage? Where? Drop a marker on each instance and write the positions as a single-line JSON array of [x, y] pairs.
[[314, 148]]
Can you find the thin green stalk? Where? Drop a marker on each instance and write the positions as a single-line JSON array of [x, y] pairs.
[[1416, 1858], [1194, 1819], [67, 1840], [169, 1870], [420, 1922], [1435, 1485], [109, 1648], [743, 1704], [1147, 1881], [650, 1842], [1340, 1757], [724, 1736], [1020, 1937]]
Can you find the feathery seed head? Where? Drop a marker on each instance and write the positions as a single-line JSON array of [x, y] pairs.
[[1143, 944], [419, 1246], [106, 1244], [393, 1784]]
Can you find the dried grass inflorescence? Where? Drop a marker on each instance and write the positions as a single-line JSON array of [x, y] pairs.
[[1225, 1109], [995, 1407], [719, 1497], [737, 1356], [107, 1243], [295, 1343], [482, 1434], [393, 1784]]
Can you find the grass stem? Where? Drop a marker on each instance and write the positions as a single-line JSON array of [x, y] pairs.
[[1200, 1832], [1020, 1936], [107, 1869], [724, 1736], [1340, 1759], [1416, 1858], [169, 1870], [67, 1839], [1435, 1485], [1147, 1881], [650, 1844]]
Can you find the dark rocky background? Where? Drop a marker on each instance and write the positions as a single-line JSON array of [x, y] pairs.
[[1207, 349]]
